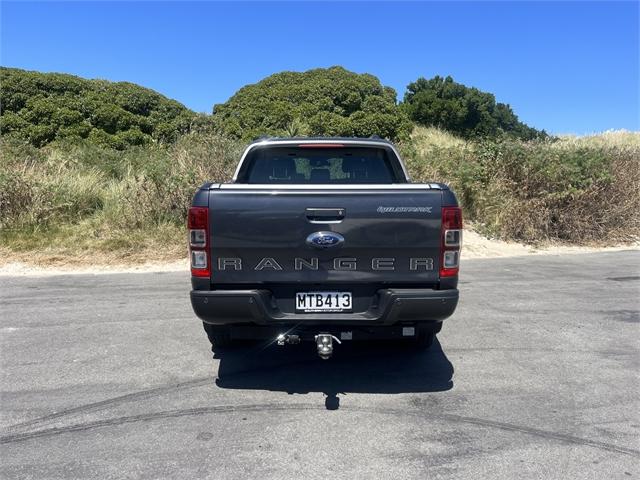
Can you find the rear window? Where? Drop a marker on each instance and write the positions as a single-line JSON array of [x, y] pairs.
[[335, 165]]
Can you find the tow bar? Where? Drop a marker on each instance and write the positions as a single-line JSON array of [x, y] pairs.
[[324, 342]]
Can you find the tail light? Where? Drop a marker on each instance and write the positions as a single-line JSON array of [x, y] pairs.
[[451, 241], [198, 224], [320, 145]]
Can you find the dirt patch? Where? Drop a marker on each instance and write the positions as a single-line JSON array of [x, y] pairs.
[[477, 246], [17, 268]]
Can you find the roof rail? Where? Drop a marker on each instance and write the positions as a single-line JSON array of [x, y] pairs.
[[271, 138]]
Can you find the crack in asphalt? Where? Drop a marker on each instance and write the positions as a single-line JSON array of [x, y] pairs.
[[141, 395], [129, 397], [221, 409], [156, 391]]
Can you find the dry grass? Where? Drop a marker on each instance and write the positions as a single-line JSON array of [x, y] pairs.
[[427, 138], [610, 138], [578, 190], [83, 204]]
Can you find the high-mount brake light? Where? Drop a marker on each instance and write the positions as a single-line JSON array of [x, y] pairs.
[[320, 145], [198, 224], [451, 241]]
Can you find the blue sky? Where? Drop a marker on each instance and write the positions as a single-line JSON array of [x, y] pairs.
[[567, 67]]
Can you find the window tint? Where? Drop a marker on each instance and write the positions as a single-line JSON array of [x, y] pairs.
[[318, 165]]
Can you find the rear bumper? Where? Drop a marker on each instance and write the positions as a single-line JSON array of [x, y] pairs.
[[228, 307]]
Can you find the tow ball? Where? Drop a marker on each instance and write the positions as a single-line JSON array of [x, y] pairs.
[[324, 343]]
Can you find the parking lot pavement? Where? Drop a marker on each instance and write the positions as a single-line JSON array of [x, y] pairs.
[[535, 376]]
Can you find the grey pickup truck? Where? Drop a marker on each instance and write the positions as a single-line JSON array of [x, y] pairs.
[[323, 240]]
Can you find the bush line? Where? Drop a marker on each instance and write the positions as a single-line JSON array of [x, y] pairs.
[[583, 190]]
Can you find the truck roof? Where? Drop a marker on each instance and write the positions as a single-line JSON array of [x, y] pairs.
[[351, 140]]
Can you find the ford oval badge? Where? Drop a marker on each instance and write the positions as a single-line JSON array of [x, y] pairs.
[[325, 239]]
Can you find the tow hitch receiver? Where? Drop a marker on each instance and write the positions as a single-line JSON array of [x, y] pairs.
[[324, 342]]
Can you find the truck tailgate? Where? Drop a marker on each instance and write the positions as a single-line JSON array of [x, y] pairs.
[[391, 235]]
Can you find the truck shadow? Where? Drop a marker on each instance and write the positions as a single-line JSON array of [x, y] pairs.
[[379, 368]]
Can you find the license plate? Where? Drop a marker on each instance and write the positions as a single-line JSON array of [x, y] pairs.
[[323, 301]]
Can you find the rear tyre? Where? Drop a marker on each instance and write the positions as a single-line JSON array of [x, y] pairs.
[[426, 335], [219, 335], [424, 340]]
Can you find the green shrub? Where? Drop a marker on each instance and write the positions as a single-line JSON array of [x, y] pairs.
[[465, 111], [541, 190], [46, 107], [324, 102]]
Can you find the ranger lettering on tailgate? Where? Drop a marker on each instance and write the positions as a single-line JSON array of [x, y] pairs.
[[387, 263]]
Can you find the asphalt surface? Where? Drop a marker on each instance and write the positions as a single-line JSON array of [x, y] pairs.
[[535, 376]]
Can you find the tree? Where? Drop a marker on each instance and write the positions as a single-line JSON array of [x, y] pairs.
[[44, 107], [324, 102], [466, 111]]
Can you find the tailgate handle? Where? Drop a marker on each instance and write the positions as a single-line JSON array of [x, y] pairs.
[[325, 215]]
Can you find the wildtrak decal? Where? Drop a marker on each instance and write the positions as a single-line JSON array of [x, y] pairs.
[[382, 209]]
